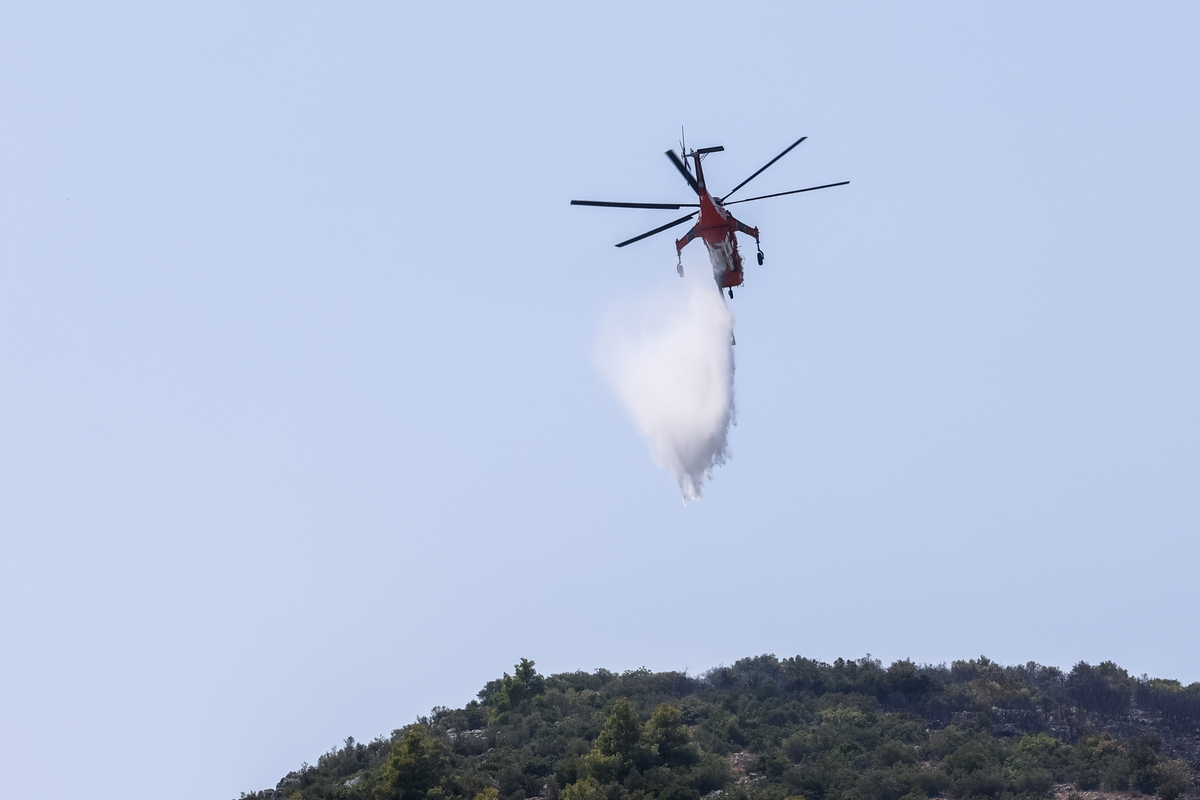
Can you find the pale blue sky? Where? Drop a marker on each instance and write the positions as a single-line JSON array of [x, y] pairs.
[[299, 432]]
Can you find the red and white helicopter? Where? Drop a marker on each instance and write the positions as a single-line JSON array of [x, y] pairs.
[[717, 227]]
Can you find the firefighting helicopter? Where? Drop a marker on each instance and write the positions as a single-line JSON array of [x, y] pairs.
[[717, 227]]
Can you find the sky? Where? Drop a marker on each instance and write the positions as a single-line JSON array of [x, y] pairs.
[[301, 432]]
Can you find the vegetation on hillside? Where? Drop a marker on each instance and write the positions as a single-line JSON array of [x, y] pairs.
[[791, 729]]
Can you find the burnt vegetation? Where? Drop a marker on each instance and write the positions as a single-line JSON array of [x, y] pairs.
[[790, 729]]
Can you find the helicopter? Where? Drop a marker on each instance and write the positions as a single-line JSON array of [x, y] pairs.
[[716, 227]]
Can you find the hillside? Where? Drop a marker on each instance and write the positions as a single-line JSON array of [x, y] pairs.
[[771, 729]]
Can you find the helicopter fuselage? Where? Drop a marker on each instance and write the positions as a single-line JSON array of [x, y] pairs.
[[718, 229]]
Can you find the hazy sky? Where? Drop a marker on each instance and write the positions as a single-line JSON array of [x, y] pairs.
[[300, 431]]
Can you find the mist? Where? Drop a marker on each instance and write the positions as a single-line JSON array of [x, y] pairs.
[[669, 360]]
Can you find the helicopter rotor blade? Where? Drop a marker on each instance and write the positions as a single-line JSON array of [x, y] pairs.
[[632, 205], [658, 230], [687, 175], [769, 163], [780, 194]]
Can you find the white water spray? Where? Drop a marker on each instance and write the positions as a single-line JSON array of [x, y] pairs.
[[669, 359]]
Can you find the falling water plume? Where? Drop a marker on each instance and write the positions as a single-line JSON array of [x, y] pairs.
[[669, 359]]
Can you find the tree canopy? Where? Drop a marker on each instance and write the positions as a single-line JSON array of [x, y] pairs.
[[783, 729]]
